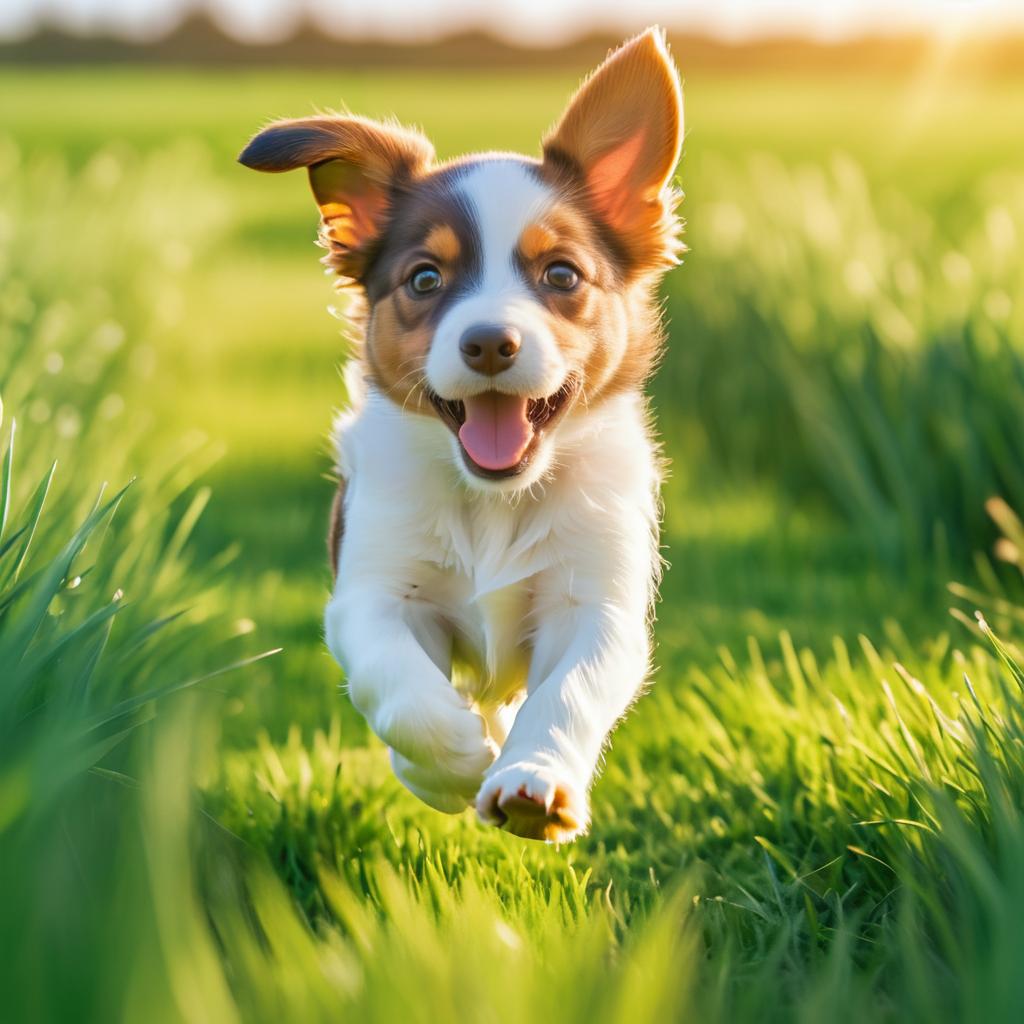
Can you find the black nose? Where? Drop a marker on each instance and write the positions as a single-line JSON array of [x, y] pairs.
[[489, 348]]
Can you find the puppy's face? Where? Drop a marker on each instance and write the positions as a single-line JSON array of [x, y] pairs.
[[503, 294]]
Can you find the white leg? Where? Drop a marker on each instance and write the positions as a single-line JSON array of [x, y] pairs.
[[440, 746], [591, 662]]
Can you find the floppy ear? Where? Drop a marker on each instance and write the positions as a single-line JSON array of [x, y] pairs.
[[354, 166], [621, 135]]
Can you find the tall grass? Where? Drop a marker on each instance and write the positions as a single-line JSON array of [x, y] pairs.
[[102, 618], [854, 347], [852, 850]]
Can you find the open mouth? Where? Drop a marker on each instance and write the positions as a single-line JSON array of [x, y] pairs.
[[499, 434]]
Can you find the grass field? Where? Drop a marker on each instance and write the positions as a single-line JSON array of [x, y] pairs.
[[816, 812]]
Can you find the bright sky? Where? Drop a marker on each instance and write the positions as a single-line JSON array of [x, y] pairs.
[[534, 20]]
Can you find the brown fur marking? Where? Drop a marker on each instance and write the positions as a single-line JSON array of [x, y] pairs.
[[443, 243], [537, 240], [336, 528]]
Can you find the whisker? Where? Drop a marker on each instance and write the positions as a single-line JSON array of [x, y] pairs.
[[419, 386]]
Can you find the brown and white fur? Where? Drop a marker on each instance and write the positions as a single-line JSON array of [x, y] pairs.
[[493, 593]]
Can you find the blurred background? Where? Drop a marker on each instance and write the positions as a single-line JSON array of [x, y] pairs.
[[840, 398]]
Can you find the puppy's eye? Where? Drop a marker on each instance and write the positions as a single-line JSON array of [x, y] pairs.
[[425, 279], [562, 276]]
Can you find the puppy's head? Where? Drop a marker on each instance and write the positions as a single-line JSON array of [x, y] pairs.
[[504, 295]]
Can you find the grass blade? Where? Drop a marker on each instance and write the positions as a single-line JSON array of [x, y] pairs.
[[38, 501]]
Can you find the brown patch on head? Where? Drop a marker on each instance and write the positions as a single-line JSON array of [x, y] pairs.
[[536, 240], [443, 243]]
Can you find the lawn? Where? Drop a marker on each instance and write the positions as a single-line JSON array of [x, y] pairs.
[[815, 814]]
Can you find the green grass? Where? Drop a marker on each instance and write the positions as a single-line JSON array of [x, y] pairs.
[[816, 812]]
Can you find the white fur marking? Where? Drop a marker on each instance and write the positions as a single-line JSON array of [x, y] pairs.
[[505, 198]]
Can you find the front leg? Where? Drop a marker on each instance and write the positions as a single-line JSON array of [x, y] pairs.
[[591, 661], [394, 653]]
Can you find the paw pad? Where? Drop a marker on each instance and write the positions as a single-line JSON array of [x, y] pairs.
[[533, 809]]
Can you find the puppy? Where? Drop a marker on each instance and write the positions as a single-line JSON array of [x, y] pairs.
[[495, 535]]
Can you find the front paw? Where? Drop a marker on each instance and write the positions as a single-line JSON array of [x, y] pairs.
[[534, 802], [435, 791], [441, 746]]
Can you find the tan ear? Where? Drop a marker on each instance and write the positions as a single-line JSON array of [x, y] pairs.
[[622, 134], [354, 164]]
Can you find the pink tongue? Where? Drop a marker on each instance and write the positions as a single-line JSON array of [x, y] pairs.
[[496, 433]]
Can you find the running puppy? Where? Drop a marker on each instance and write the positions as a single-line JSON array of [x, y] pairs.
[[495, 535]]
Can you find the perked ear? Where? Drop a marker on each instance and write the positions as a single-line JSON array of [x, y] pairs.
[[354, 166], [622, 134]]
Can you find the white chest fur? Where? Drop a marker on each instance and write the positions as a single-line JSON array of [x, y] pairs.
[[482, 566]]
